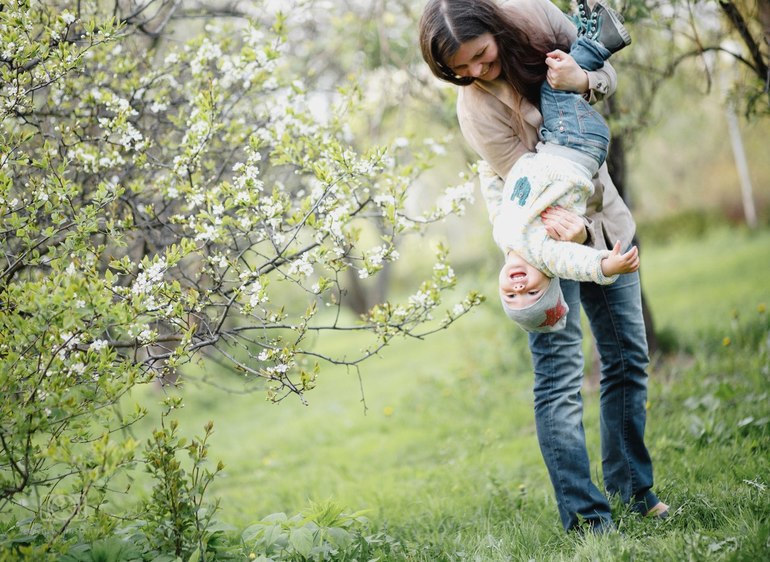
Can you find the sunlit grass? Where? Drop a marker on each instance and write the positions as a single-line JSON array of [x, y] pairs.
[[436, 438], [699, 285]]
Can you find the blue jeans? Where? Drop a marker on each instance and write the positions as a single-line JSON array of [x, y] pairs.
[[568, 119], [615, 314]]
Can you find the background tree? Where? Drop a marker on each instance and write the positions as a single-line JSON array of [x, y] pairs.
[[675, 40], [187, 180], [169, 190]]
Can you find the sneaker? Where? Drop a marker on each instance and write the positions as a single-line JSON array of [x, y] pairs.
[[582, 17], [603, 25], [659, 511]]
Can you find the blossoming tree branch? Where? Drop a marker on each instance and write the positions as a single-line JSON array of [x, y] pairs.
[[166, 201]]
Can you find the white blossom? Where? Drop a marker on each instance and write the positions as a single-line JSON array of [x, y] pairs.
[[98, 345], [195, 199], [455, 198], [146, 279], [422, 299], [77, 368], [146, 336], [436, 148], [384, 200], [69, 339], [448, 273], [302, 266], [257, 294], [209, 233]]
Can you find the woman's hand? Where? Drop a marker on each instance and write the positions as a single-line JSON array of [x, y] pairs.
[[561, 224], [564, 73]]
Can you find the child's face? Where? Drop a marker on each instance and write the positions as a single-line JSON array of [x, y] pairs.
[[477, 58], [521, 285]]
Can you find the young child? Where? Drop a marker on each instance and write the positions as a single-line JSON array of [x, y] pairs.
[[575, 141]]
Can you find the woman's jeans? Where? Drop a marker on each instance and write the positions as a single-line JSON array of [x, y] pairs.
[[568, 119], [615, 314]]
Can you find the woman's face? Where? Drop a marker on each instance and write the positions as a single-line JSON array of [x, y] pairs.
[[477, 58]]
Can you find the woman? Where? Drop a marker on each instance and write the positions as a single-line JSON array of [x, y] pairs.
[[498, 55]]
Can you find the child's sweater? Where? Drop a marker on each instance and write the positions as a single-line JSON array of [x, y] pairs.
[[538, 181]]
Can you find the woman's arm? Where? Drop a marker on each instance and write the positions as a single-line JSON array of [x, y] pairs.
[[486, 117], [601, 82]]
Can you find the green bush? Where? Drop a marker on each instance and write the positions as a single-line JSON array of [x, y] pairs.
[[684, 225], [321, 532], [161, 200]]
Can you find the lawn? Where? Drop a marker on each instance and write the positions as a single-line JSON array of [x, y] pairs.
[[435, 439]]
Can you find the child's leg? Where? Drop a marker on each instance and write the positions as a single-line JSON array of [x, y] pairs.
[[568, 119], [589, 54]]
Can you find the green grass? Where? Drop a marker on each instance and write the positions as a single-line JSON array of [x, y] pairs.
[[445, 459], [699, 285]]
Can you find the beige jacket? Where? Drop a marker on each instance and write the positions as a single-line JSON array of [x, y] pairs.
[[485, 111]]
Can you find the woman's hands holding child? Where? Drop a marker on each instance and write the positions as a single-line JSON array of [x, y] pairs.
[[564, 225], [617, 263], [564, 73]]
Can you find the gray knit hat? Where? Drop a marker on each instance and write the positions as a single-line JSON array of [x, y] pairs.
[[548, 314]]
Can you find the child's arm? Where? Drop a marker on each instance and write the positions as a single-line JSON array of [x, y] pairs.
[[569, 260], [616, 262], [491, 186]]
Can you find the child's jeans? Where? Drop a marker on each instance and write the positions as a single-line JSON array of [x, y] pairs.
[[568, 119]]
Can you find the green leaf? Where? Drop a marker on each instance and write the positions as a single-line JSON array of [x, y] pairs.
[[273, 534], [302, 541]]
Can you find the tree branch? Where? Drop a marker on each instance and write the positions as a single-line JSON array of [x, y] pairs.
[[737, 20]]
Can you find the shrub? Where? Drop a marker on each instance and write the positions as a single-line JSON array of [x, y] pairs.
[[161, 201]]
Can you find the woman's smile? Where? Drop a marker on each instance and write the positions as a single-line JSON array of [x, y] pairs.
[[477, 58]]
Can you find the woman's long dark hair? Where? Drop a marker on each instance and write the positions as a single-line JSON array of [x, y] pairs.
[[446, 24]]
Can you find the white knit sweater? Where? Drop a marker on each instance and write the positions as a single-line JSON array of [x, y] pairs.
[[538, 181]]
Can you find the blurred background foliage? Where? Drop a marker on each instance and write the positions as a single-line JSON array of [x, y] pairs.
[[695, 69], [693, 66]]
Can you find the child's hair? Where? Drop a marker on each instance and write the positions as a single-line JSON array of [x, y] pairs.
[[446, 24]]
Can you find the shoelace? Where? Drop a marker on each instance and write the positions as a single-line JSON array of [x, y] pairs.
[[581, 19], [588, 24]]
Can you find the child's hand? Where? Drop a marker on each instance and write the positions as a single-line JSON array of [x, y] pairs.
[[617, 263], [561, 224]]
